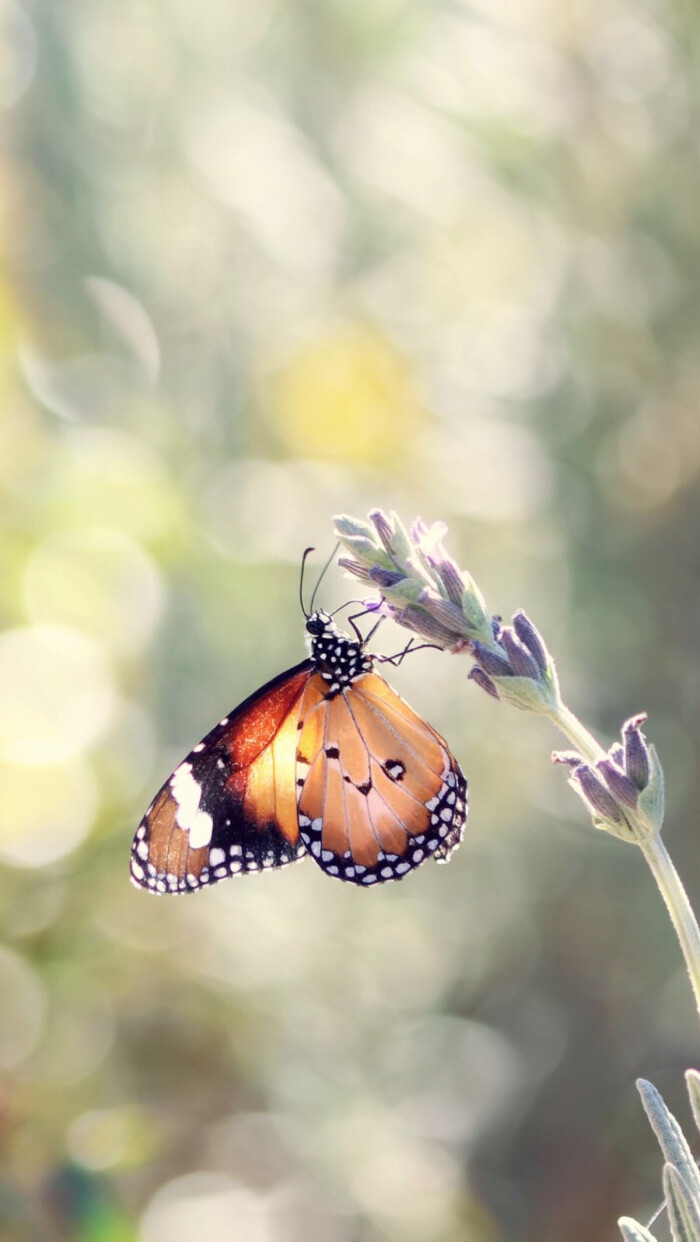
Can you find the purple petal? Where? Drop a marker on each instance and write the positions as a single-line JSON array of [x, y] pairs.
[[619, 783], [636, 752], [530, 637], [596, 793], [479, 676], [493, 664], [521, 662]]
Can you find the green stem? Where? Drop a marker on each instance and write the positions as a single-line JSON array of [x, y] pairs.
[[584, 741], [655, 853], [678, 906]]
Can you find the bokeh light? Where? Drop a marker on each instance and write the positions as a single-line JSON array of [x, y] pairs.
[[264, 263]]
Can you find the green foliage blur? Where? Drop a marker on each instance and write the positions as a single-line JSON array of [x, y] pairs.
[[265, 261]]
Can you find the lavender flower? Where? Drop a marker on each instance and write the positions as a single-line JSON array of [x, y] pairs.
[[636, 750], [423, 589], [612, 790]]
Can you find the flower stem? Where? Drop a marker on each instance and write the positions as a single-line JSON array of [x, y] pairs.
[[678, 906], [570, 725], [655, 853]]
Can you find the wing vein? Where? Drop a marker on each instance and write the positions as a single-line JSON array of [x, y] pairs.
[[380, 715], [369, 764]]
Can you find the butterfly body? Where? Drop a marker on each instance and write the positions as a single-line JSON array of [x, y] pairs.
[[325, 760]]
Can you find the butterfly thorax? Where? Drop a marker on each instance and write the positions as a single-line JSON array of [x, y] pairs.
[[339, 658]]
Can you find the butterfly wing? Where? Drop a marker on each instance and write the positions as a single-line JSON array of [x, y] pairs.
[[230, 806], [379, 791]]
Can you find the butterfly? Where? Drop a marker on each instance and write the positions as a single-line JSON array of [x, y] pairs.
[[325, 760]]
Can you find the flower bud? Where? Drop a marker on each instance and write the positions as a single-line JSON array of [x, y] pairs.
[[492, 663], [421, 622], [451, 579], [619, 783], [400, 592], [474, 608], [443, 610], [428, 539], [383, 528], [364, 550], [530, 637], [596, 794], [636, 751], [480, 677], [386, 578], [361, 572], [346, 526], [617, 755], [570, 758], [519, 658], [400, 547]]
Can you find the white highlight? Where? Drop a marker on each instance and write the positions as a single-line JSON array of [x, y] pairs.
[[187, 794]]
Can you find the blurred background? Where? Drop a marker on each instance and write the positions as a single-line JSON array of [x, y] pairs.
[[266, 261]]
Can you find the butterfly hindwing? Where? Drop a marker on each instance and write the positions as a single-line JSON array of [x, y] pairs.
[[230, 806], [378, 790]]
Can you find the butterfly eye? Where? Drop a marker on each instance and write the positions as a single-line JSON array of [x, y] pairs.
[[317, 623]]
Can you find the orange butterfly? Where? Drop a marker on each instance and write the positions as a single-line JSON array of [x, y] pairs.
[[326, 760]]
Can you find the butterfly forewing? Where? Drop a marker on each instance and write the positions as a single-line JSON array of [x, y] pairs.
[[378, 790], [230, 806]]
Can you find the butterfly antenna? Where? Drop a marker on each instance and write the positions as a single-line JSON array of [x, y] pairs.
[[322, 575], [307, 551]]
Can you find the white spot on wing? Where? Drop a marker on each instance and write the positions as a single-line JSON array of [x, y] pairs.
[[187, 793]]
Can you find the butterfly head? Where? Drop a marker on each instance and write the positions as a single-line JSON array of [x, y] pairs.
[[317, 623], [334, 654]]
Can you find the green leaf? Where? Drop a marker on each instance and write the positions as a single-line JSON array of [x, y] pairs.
[[475, 610], [692, 1078], [346, 526], [671, 1139], [632, 1231], [651, 799], [683, 1207], [401, 545]]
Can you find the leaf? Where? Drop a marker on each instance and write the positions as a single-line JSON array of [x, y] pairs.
[[632, 1231], [692, 1078], [671, 1139], [651, 799], [683, 1208]]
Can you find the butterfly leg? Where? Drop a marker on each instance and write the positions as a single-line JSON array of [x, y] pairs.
[[398, 658], [375, 627]]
